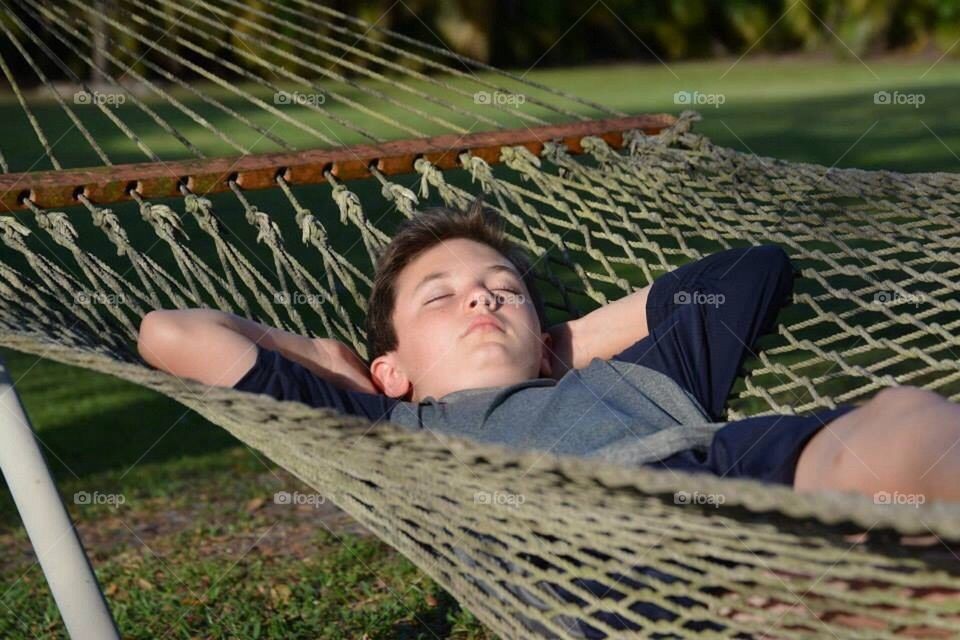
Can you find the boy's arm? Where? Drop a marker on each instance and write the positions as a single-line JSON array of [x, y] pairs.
[[602, 333], [217, 348]]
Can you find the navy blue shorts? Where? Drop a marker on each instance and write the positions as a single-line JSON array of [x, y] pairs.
[[700, 339], [704, 319]]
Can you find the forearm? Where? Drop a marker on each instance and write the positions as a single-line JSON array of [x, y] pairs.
[[602, 333], [325, 357], [196, 324], [217, 348], [308, 352]]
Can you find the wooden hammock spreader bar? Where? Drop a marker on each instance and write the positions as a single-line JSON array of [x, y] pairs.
[[103, 185]]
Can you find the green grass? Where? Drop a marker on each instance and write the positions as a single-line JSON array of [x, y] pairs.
[[221, 558], [178, 558]]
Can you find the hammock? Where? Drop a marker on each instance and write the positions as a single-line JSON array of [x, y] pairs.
[[588, 552]]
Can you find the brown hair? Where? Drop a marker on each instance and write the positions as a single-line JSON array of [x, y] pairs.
[[416, 235]]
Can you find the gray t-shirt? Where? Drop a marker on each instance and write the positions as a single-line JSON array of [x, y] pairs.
[[610, 409]]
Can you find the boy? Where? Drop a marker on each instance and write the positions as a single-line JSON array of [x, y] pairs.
[[456, 333]]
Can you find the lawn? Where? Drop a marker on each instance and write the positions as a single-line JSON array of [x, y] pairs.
[[199, 548]]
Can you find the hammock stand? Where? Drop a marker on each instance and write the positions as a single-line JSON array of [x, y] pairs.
[[594, 551]]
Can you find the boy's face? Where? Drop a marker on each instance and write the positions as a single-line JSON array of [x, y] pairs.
[[436, 352]]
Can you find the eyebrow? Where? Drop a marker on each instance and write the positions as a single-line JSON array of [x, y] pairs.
[[436, 275]]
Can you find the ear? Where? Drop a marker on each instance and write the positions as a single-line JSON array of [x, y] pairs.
[[389, 377], [546, 360]]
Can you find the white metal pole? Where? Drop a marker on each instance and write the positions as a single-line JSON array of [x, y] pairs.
[[52, 535]]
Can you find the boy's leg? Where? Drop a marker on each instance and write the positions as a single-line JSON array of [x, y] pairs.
[[905, 440], [705, 316], [764, 448]]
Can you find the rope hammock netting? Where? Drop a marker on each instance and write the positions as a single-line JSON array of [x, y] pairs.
[[592, 551]]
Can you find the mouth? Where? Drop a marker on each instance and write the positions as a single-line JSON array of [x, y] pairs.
[[484, 324]]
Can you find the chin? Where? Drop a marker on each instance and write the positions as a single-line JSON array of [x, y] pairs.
[[492, 357], [494, 376]]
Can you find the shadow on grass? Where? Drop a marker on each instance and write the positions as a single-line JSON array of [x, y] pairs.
[[90, 423], [156, 429], [427, 621]]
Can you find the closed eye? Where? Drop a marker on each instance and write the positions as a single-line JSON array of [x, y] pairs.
[[508, 290]]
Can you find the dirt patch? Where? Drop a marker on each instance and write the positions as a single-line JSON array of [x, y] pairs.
[[219, 518]]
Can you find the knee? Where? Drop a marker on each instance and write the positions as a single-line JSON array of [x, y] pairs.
[[916, 424], [158, 329], [898, 400], [900, 435], [774, 256], [775, 261], [770, 268], [765, 266]]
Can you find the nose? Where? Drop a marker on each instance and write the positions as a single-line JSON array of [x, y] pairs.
[[482, 296]]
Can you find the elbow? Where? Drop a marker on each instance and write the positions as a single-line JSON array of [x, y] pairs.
[[159, 332]]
